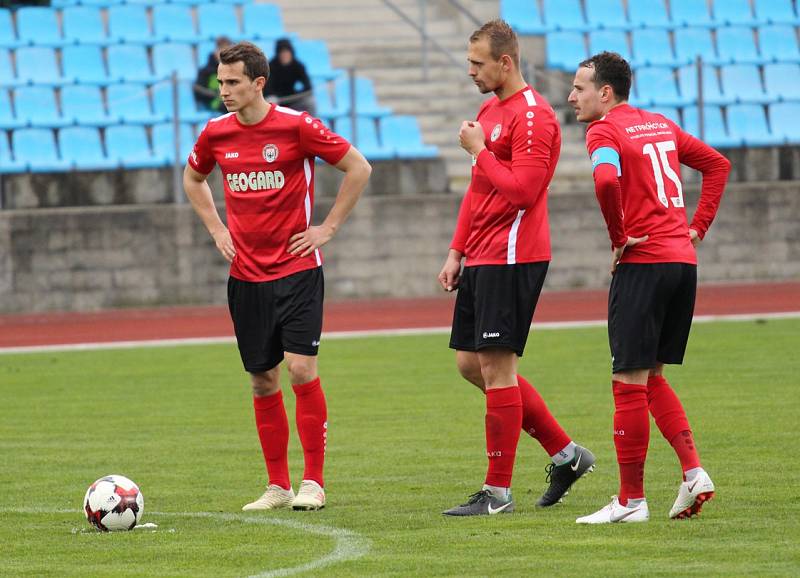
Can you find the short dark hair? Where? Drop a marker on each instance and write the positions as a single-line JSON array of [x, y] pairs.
[[610, 68], [502, 39], [255, 63]]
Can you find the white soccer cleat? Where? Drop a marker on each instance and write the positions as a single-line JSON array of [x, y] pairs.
[[274, 498], [310, 496], [615, 513], [691, 496]]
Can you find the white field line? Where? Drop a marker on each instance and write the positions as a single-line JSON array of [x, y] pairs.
[[362, 333], [349, 545]]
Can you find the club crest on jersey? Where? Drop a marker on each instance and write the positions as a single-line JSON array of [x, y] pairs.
[[270, 153], [496, 133]]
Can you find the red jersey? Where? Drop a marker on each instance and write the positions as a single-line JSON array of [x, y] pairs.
[[647, 149], [503, 217], [268, 177]]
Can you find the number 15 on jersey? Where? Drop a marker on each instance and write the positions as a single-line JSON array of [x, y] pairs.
[[661, 168]]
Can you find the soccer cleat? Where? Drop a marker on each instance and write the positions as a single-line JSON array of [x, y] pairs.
[[482, 503], [615, 513], [562, 477], [274, 498], [310, 496], [691, 496]]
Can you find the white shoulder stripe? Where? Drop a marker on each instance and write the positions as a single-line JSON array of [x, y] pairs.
[[218, 118], [529, 97], [285, 110]]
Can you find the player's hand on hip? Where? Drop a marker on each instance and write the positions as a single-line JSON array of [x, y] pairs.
[[305, 243], [450, 274], [225, 244], [471, 137], [618, 251], [694, 236]]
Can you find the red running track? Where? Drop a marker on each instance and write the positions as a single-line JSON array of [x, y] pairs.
[[193, 322]]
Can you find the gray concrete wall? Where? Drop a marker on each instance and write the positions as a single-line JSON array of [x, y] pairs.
[[393, 245]]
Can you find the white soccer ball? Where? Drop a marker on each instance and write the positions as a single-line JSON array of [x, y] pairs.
[[113, 503]]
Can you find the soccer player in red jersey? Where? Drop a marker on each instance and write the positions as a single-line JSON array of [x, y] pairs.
[[275, 290], [636, 157], [502, 230]]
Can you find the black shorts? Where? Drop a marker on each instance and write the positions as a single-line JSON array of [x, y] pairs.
[[650, 308], [495, 306], [272, 317]]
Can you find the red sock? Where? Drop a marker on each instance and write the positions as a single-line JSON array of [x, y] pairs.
[[672, 421], [273, 432], [503, 425], [631, 437], [312, 426], [537, 420]]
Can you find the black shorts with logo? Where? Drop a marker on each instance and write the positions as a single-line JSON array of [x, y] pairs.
[[495, 306], [650, 309], [272, 317]]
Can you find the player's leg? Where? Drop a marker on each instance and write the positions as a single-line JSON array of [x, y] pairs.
[[670, 417], [252, 312], [299, 299]]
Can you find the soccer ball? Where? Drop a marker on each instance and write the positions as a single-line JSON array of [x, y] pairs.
[[113, 503]]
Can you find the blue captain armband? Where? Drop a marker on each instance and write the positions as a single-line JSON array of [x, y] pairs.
[[608, 156]]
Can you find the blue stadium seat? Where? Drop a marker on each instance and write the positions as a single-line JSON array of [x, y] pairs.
[[693, 42], [7, 163], [366, 101], [606, 14], [367, 141], [82, 148], [655, 86], [7, 117], [267, 46], [8, 37], [565, 50], [36, 149], [748, 123], [36, 106], [611, 40], [687, 82], [164, 142], [691, 13], [670, 112], [174, 23], [38, 25], [84, 105], [129, 23], [778, 43], [174, 57], [776, 12], [736, 44], [6, 70], [401, 133], [83, 25], [564, 15], [783, 120], [129, 147], [218, 20], [781, 82], [130, 103], [323, 101], [652, 47], [648, 14], [129, 63], [187, 108], [715, 133], [104, 3], [732, 12], [84, 63], [262, 21], [742, 83], [38, 65], [523, 16], [316, 58]]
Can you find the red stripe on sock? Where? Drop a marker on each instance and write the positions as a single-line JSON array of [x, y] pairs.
[[538, 422], [312, 426], [503, 424], [671, 420], [631, 437], [273, 433]]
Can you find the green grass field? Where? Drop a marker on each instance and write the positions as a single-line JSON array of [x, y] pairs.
[[405, 442]]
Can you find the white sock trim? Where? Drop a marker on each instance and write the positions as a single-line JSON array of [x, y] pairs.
[[565, 455]]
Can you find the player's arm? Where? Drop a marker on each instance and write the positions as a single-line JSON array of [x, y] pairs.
[[199, 193], [356, 171], [715, 168], [450, 274]]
